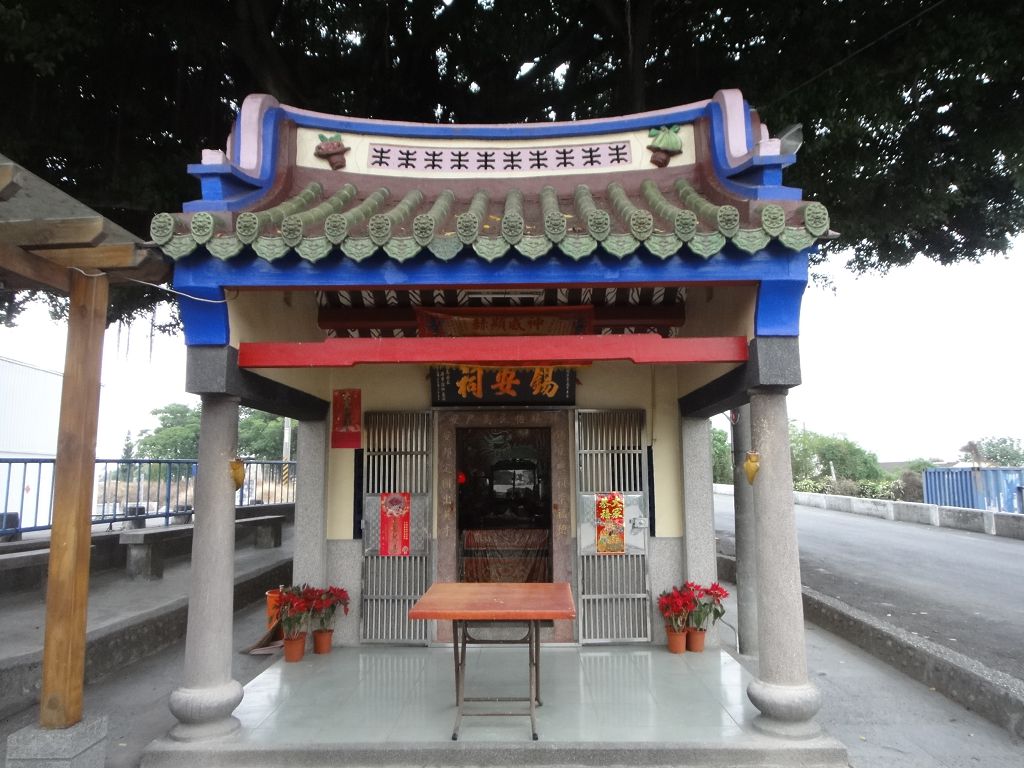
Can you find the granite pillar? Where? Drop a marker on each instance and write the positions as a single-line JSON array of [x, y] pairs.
[[203, 705], [700, 554], [782, 692], [746, 536], [310, 562]]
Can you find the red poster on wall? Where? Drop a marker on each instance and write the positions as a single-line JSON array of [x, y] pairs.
[[395, 511], [346, 419], [610, 527]]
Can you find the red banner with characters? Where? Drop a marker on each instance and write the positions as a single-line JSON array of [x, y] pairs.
[[611, 538], [395, 509], [346, 419]]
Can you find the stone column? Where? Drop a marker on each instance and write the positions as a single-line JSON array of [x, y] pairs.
[[310, 562], [746, 540], [698, 502], [787, 700], [204, 704]]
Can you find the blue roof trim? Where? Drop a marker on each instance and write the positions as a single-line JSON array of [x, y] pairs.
[[204, 323], [529, 131], [225, 186], [765, 169], [748, 127], [782, 275]]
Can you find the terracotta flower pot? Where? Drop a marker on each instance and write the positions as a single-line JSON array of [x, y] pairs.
[[273, 600], [676, 640], [695, 640], [295, 648], [323, 639]]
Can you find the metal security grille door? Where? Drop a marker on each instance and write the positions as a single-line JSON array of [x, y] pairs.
[[397, 459], [614, 598]]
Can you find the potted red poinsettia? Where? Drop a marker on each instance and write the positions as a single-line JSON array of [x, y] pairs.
[[324, 604], [675, 606], [293, 614], [708, 610]]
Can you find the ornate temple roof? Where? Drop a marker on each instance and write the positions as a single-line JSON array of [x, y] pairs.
[[689, 181]]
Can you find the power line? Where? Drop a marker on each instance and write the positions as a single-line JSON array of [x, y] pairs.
[[857, 52]]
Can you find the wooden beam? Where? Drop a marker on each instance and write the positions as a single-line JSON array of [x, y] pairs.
[[6, 177], [67, 592], [404, 318], [32, 271], [103, 256], [642, 349], [56, 231]]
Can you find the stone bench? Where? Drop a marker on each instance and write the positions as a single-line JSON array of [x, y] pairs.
[[145, 558], [30, 558], [268, 529], [27, 568]]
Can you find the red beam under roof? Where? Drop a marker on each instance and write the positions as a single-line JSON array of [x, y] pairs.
[[646, 348]]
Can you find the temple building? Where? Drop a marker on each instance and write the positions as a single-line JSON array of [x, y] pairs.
[[503, 344]]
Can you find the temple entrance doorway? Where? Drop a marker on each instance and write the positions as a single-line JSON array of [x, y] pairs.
[[503, 504], [544, 437]]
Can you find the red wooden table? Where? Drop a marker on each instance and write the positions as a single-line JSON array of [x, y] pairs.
[[465, 603]]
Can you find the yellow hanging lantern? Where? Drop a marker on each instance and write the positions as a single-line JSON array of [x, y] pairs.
[[752, 465], [237, 472]]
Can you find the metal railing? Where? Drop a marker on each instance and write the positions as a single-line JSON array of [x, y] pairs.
[[129, 490]]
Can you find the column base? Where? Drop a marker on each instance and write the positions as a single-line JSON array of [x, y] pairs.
[[83, 745], [786, 710], [205, 713]]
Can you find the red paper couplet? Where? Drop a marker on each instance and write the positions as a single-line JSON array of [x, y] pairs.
[[610, 528], [346, 420], [395, 511]]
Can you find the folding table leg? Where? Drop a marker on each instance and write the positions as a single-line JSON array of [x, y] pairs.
[[532, 635], [459, 646]]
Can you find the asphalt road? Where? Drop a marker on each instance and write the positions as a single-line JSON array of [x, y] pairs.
[[963, 590]]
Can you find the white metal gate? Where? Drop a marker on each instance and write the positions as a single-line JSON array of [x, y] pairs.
[[397, 459], [614, 596]]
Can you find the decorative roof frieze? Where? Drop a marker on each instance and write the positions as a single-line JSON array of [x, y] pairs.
[[662, 224]]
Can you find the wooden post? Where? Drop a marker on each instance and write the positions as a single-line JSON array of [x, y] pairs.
[[67, 593]]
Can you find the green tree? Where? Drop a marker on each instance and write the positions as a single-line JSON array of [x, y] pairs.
[[816, 456], [721, 456], [996, 451], [176, 438], [912, 109], [261, 435], [920, 465]]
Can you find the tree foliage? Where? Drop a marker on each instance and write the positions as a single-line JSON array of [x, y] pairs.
[[177, 436], [912, 109], [817, 457], [721, 457], [260, 434], [995, 451]]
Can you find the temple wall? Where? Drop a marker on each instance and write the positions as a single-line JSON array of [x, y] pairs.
[[603, 385], [382, 388]]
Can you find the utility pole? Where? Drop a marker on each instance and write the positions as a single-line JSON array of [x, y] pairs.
[[286, 450]]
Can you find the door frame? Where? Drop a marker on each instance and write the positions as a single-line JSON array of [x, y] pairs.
[[563, 478]]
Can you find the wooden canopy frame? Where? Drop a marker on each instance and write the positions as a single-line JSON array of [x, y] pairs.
[[50, 241]]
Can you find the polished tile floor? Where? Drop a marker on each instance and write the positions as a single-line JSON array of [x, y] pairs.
[[382, 695]]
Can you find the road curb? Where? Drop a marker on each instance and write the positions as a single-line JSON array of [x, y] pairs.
[[995, 695]]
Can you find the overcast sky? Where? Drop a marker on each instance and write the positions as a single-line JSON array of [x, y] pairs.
[[911, 364]]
